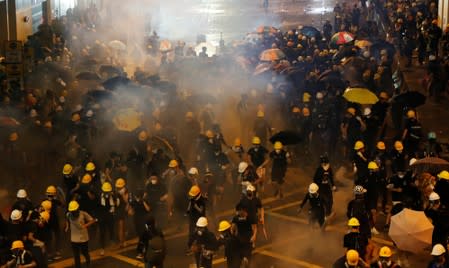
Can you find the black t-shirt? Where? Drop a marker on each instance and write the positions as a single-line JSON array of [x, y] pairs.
[[257, 155], [252, 206], [155, 192], [356, 241], [244, 228], [398, 183]]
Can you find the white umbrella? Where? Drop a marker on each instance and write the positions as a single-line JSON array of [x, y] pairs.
[[411, 230], [116, 44], [211, 49]]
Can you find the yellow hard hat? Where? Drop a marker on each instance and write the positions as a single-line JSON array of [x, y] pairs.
[[398, 146], [173, 163], [256, 140], [189, 115], [380, 145], [443, 175], [209, 134], [372, 165], [306, 97], [223, 226], [383, 95], [296, 110], [120, 183], [353, 222], [46, 205], [385, 252], [411, 114], [278, 145], [67, 169], [87, 178], [359, 145], [51, 190], [260, 113], [76, 117], [45, 216], [237, 142], [73, 205], [306, 111], [18, 244], [90, 166], [48, 124], [194, 191], [13, 136], [351, 110], [143, 136], [106, 187], [352, 257]]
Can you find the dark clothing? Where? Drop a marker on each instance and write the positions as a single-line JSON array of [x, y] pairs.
[[361, 163], [324, 178], [356, 241], [196, 209], [357, 208], [442, 189], [279, 167], [23, 205], [435, 264], [206, 244], [152, 243], [317, 208], [413, 136], [398, 161], [257, 155], [244, 233], [252, 205], [231, 249], [78, 249]]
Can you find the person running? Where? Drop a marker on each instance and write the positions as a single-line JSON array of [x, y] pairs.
[[317, 206]]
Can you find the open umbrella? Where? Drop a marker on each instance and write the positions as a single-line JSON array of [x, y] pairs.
[[362, 43], [165, 46], [116, 44], [286, 137], [360, 95], [262, 68], [342, 38], [88, 76], [411, 230], [115, 82], [310, 31], [99, 95], [272, 54], [210, 49], [127, 120], [411, 99], [430, 164]]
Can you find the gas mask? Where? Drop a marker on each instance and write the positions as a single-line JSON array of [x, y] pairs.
[[277, 151]]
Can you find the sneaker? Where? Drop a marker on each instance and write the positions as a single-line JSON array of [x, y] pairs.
[[374, 231], [102, 252], [139, 256], [57, 256]]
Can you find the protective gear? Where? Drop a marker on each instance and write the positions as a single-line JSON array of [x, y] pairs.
[[411, 114], [242, 167], [45, 215], [366, 111], [296, 110], [237, 142], [67, 169], [443, 175], [51, 190], [16, 215], [46, 205], [201, 222], [173, 163], [223, 226], [383, 95], [306, 111], [106, 187], [194, 191], [17, 245], [250, 188], [438, 250], [260, 114], [351, 111], [319, 96], [380, 145], [412, 161], [209, 134], [22, 193], [313, 188], [398, 146], [90, 166], [13, 136], [359, 145], [358, 189], [193, 171], [87, 178], [353, 222], [432, 135], [434, 196], [306, 97], [385, 252], [143, 136], [256, 140], [73, 206], [372, 165], [120, 183], [278, 145], [352, 257]]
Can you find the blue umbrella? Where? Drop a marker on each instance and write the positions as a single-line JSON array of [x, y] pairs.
[[310, 31]]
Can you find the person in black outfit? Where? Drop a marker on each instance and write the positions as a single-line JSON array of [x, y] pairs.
[[317, 206], [324, 178], [354, 239], [230, 243], [280, 159], [152, 244], [357, 209], [195, 210], [204, 244], [244, 228]]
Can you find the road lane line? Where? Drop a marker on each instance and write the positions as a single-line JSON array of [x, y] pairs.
[[131, 261], [288, 205], [288, 259]]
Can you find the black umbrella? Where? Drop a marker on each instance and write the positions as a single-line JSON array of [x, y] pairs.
[[411, 99], [310, 31], [100, 94], [115, 82], [110, 69], [88, 76], [286, 137]]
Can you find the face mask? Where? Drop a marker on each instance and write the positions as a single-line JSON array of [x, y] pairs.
[[153, 182], [277, 151], [122, 191], [75, 213], [199, 232], [249, 194]]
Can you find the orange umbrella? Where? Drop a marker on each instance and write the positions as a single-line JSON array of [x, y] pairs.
[[272, 54]]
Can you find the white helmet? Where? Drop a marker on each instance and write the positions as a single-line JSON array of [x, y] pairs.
[[22, 193], [242, 167], [438, 250], [16, 215], [412, 161], [193, 171], [313, 188], [250, 188], [434, 196], [319, 96], [366, 111], [201, 222], [358, 189]]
